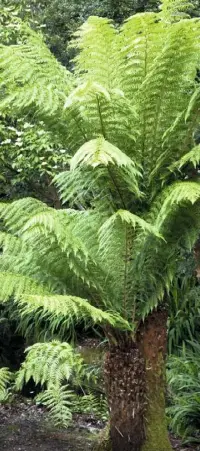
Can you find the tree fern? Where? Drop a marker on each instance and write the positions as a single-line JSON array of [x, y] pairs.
[[128, 116], [124, 142]]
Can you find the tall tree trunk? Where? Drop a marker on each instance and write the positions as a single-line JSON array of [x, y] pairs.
[[135, 385]]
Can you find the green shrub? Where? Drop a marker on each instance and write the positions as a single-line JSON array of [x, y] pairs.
[[184, 389]]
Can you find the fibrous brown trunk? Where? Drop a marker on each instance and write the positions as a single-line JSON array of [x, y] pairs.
[[135, 385], [125, 387]]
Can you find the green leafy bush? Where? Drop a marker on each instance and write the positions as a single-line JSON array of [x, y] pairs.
[[184, 305], [184, 391]]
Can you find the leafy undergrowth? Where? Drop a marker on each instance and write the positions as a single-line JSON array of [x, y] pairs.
[[23, 427]]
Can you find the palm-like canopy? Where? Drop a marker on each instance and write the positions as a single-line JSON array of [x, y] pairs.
[[128, 115]]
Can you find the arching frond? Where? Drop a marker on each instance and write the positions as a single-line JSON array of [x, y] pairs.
[[139, 43], [13, 284], [178, 193], [173, 11], [192, 157], [106, 230], [96, 37], [32, 79], [66, 310]]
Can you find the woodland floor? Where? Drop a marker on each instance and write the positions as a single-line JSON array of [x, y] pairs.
[[24, 427]]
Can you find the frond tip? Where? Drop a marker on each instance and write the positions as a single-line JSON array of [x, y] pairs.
[[100, 152], [124, 216]]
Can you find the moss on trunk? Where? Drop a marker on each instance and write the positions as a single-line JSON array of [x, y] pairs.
[[157, 438], [152, 342]]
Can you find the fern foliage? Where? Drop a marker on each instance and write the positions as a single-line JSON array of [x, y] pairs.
[[127, 115], [60, 371], [59, 402], [49, 363], [5, 379], [52, 365]]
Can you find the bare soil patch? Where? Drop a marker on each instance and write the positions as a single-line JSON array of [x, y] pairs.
[[24, 427]]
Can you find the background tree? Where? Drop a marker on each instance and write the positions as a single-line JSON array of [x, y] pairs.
[[60, 19], [30, 155]]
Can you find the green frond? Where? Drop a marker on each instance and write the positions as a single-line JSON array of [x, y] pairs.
[[13, 284], [80, 93], [11, 244], [5, 379], [100, 152], [50, 363], [192, 157], [183, 380], [96, 38], [59, 401], [175, 10], [51, 231], [79, 185], [193, 103], [139, 43], [106, 230], [24, 71], [91, 404], [178, 194], [16, 214], [91, 111], [62, 311], [162, 96]]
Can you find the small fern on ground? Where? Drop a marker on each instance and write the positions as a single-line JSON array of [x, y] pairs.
[[59, 401], [61, 373], [5, 380], [91, 404]]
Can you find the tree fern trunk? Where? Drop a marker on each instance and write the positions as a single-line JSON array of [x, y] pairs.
[[152, 341], [125, 386], [135, 385]]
